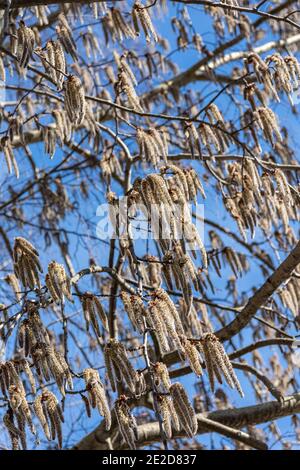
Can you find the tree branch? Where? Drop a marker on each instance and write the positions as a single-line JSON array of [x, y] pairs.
[[235, 418], [279, 276]]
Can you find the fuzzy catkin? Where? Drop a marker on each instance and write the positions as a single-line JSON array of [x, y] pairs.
[[49, 414], [127, 423], [218, 363], [93, 310], [75, 103], [97, 397], [58, 283], [26, 263], [185, 412], [118, 365], [25, 44]]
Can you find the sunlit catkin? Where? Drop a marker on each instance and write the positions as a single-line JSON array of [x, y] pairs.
[[127, 423], [218, 363], [184, 409], [75, 104], [49, 413], [97, 395], [93, 310], [7, 149], [58, 283], [118, 365], [26, 263], [141, 16], [25, 44], [135, 310]]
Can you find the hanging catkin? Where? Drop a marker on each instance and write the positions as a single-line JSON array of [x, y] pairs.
[[26, 263], [127, 423], [75, 104], [58, 283], [141, 17], [118, 366], [184, 410], [15, 434], [25, 44], [13, 282], [97, 395], [135, 310], [168, 415], [218, 363], [48, 412], [7, 149], [64, 34], [93, 310], [161, 377]]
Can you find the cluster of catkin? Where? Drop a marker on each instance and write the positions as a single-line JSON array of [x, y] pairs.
[[62, 131], [153, 145], [236, 261], [50, 363], [116, 27], [42, 12], [217, 362], [54, 62], [164, 201], [31, 330], [141, 17], [7, 149], [64, 34], [289, 296], [119, 368], [134, 307], [92, 311], [26, 263], [231, 18], [19, 414], [277, 74], [125, 84], [184, 183], [97, 396], [179, 270], [164, 319], [213, 135], [257, 200], [127, 423], [58, 283], [49, 414], [197, 320], [174, 406]]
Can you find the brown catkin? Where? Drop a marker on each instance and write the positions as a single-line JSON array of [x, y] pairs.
[[119, 366], [217, 362], [26, 263], [58, 283], [127, 423], [75, 103], [185, 412], [97, 395], [25, 44]]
